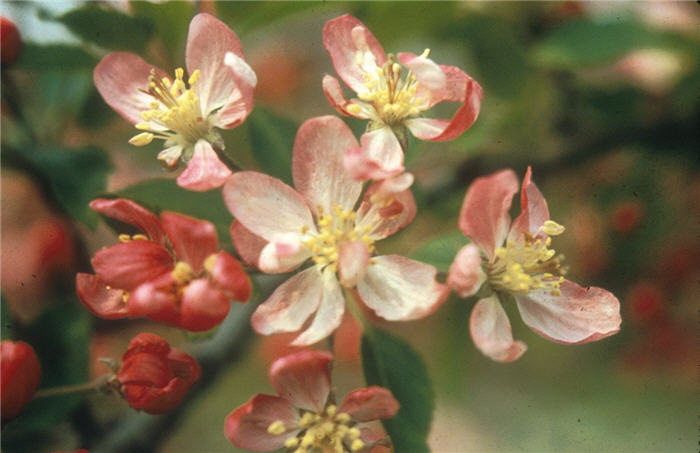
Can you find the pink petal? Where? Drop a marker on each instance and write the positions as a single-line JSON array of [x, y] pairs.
[[170, 157], [534, 211], [343, 38], [400, 289], [353, 260], [119, 77], [193, 240], [304, 378], [484, 216], [387, 206], [203, 306], [379, 157], [103, 302], [317, 164], [208, 41], [290, 304], [240, 102], [229, 277], [427, 72], [204, 171], [466, 276], [336, 98], [266, 206], [371, 403], [155, 300], [128, 264], [247, 244], [491, 332], [329, 314], [131, 213], [246, 426], [579, 315], [284, 253]]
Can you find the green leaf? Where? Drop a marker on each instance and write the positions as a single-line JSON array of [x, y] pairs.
[[110, 29], [171, 21], [272, 140], [74, 177], [54, 57], [440, 251], [585, 42], [165, 195], [391, 363]]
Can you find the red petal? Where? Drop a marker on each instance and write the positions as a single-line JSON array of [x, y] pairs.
[[19, 377], [193, 240], [204, 171], [372, 403], [128, 264], [203, 306], [247, 244], [304, 378], [131, 213], [103, 302], [228, 275], [534, 211], [246, 426]]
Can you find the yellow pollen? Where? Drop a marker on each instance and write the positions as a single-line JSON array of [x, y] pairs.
[[209, 263], [526, 265], [552, 228], [182, 273], [357, 445], [329, 432], [276, 428], [135, 237], [142, 139]]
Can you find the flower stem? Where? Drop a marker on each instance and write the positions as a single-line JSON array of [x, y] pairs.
[[219, 147], [96, 385]]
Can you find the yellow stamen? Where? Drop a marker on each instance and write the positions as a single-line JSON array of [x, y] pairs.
[[142, 139], [182, 273], [276, 428]]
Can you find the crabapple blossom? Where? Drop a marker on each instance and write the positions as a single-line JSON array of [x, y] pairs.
[[184, 112], [19, 377], [303, 417], [172, 272], [519, 261], [392, 93], [278, 228], [154, 377]]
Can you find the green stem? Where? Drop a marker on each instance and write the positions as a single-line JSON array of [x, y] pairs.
[[96, 385]]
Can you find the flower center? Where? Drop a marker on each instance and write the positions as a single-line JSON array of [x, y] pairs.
[[175, 114], [334, 229], [328, 432], [389, 98], [523, 266]]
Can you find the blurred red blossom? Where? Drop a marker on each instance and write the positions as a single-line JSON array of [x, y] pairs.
[[20, 377], [10, 41]]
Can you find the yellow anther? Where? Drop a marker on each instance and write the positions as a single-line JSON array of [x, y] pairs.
[[357, 445], [142, 139], [425, 53], [552, 228], [124, 238], [307, 440], [354, 109], [306, 419], [209, 263], [139, 237], [292, 442], [342, 417], [354, 433], [276, 428], [182, 273], [194, 77], [331, 410], [395, 68], [179, 73]]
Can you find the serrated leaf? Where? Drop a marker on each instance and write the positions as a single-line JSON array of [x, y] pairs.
[[440, 251], [391, 363], [272, 140], [163, 194], [110, 29], [54, 57]]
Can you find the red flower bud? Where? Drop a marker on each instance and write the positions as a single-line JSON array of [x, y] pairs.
[[154, 377], [627, 216], [21, 373], [10, 41]]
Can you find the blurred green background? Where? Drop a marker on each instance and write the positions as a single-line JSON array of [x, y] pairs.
[[600, 98]]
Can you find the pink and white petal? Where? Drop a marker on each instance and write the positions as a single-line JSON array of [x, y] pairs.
[[229, 276], [193, 240], [208, 41], [379, 157], [579, 315], [336, 98], [466, 275], [426, 128], [427, 72], [240, 101], [290, 304], [128, 264], [103, 302], [371, 403], [119, 77], [246, 426], [248, 245], [131, 213], [454, 90], [400, 289], [266, 206], [204, 171], [169, 157], [484, 216], [203, 306], [385, 212], [534, 211], [283, 254], [303, 378], [353, 260], [345, 38], [317, 164], [329, 314], [490, 329]]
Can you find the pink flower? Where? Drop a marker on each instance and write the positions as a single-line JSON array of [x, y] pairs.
[[277, 229], [519, 261], [220, 94], [392, 105], [303, 417], [173, 273]]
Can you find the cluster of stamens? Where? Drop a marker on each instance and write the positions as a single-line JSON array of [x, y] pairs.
[[528, 264], [328, 432], [175, 114], [334, 229], [390, 99]]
